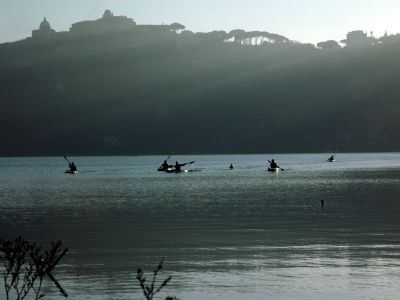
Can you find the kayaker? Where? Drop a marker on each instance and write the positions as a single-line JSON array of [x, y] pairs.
[[72, 167], [273, 164], [231, 167], [178, 167], [165, 165], [331, 159]]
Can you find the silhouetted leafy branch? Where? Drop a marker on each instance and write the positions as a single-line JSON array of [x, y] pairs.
[[150, 290], [26, 266]]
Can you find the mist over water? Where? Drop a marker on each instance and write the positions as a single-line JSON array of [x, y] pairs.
[[224, 234]]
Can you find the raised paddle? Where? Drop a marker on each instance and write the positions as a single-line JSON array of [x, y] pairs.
[[67, 159]]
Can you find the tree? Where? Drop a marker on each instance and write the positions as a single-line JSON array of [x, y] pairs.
[[331, 44], [257, 36], [238, 35], [273, 38], [177, 27], [278, 39], [187, 33], [213, 36]]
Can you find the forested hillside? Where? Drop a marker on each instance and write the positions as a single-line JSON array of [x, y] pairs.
[[165, 91]]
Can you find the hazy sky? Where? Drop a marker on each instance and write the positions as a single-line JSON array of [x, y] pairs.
[[302, 20]]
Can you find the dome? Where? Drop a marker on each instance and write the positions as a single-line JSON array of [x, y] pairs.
[[108, 14], [44, 25]]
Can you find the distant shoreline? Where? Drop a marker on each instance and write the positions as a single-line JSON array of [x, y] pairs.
[[196, 154]]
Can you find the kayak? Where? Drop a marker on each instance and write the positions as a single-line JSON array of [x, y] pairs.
[[331, 160], [274, 170], [168, 170], [172, 170], [162, 169], [71, 172]]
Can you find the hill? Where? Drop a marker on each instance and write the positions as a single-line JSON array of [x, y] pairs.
[[164, 90]]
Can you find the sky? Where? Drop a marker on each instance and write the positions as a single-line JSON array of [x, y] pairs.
[[301, 20]]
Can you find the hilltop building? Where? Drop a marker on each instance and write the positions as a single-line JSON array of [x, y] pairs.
[[356, 39], [44, 31], [107, 24]]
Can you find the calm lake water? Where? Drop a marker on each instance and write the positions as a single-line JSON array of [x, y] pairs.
[[224, 234]]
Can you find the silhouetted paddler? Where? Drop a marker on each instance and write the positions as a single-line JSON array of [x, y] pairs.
[[178, 167], [273, 164], [165, 165], [72, 167]]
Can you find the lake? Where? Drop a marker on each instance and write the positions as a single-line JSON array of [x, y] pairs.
[[224, 234]]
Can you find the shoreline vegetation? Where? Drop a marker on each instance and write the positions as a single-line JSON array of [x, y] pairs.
[[113, 87], [25, 266]]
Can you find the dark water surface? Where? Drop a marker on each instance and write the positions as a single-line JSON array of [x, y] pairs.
[[224, 234]]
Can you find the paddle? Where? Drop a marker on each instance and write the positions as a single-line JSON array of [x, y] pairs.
[[67, 160]]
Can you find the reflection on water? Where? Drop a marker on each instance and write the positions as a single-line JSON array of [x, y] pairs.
[[225, 234]]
